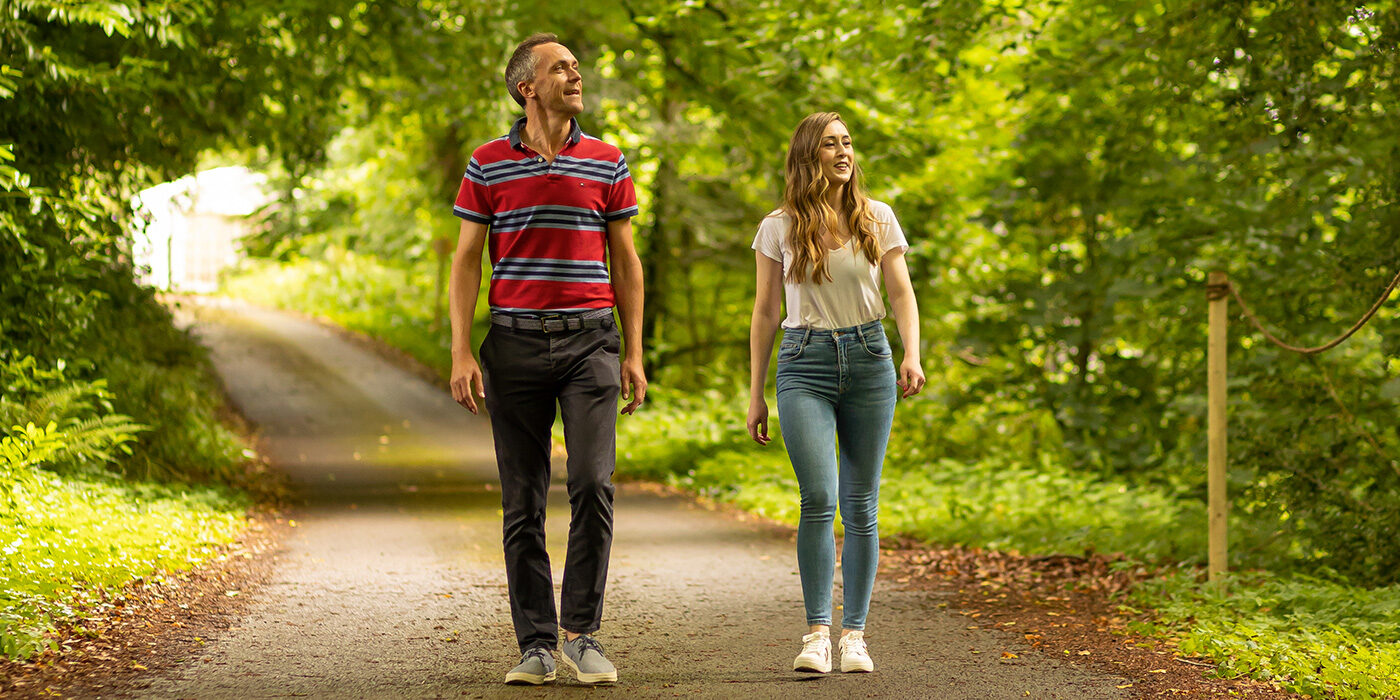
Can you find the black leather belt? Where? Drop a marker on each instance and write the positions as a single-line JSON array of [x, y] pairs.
[[556, 323]]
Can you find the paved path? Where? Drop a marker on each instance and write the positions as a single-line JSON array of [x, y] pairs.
[[393, 583]]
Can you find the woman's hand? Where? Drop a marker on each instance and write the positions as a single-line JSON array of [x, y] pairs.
[[758, 421], [911, 378]]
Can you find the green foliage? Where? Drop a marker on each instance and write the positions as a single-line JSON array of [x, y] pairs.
[[1319, 638], [65, 544], [97, 101], [1067, 173], [21, 452], [1162, 140], [70, 531], [73, 439], [700, 443]]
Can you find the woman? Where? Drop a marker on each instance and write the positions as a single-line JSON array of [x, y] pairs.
[[825, 250]]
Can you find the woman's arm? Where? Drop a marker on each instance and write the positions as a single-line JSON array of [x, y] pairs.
[[767, 315], [906, 318]]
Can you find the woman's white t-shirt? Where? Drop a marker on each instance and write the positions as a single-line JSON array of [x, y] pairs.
[[852, 296]]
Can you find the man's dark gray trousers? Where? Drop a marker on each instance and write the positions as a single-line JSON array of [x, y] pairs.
[[527, 372]]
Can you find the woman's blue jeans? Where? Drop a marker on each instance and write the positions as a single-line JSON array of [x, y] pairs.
[[837, 388]]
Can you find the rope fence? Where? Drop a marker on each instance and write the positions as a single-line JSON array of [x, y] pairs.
[[1219, 289], [1215, 291]]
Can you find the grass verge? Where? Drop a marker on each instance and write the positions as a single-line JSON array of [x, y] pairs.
[[69, 543], [114, 467]]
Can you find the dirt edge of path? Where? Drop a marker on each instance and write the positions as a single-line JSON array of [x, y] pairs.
[[1067, 607]]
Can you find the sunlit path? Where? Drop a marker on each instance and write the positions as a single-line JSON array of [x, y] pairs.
[[392, 584]]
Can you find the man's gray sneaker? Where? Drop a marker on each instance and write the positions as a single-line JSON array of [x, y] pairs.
[[585, 656], [536, 668]]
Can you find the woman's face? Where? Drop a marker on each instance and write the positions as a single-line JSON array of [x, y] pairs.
[[834, 152]]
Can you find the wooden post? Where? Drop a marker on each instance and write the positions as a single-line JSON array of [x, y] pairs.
[[443, 247], [1217, 502]]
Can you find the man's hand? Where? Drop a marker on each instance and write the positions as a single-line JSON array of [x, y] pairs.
[[466, 375], [634, 385]]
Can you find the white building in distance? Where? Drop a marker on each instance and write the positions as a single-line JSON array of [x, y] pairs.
[[188, 230]]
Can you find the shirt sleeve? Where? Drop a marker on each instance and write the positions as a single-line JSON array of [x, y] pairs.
[[893, 235], [473, 197], [622, 197], [769, 240]]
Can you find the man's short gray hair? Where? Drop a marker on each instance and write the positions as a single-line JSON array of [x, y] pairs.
[[523, 63]]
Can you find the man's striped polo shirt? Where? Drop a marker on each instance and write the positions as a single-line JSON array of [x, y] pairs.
[[549, 221]]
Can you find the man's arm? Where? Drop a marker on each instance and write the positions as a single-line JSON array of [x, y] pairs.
[[627, 288], [462, 290]]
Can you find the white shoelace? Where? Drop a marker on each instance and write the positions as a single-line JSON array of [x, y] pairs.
[[852, 644], [817, 645]]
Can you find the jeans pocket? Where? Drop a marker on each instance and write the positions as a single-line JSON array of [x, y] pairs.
[[877, 347], [791, 349]]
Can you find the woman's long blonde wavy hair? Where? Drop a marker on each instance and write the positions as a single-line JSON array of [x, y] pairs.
[[804, 200]]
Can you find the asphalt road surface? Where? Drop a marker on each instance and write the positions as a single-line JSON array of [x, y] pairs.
[[393, 582]]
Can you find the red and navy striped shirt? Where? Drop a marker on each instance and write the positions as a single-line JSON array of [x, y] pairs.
[[549, 220]]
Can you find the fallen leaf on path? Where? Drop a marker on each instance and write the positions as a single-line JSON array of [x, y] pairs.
[[1009, 655]]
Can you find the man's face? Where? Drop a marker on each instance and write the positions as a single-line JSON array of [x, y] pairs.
[[558, 86]]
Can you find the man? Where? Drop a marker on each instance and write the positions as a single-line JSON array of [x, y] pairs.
[[558, 205]]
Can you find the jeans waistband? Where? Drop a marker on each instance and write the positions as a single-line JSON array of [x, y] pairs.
[[864, 330]]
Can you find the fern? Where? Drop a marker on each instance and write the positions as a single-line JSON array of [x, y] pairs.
[[94, 442], [64, 402], [21, 453], [86, 436]]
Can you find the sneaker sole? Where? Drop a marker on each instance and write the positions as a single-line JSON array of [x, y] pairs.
[[809, 668], [521, 678], [858, 668], [588, 678]]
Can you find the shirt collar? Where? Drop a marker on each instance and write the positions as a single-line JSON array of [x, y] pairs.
[[575, 133]]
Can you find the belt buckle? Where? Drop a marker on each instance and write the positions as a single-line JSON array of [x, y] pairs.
[[558, 321]]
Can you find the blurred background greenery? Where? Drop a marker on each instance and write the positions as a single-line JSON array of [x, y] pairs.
[[1067, 172]]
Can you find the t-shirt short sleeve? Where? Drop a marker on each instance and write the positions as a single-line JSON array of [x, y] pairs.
[[892, 235], [473, 197], [769, 240], [622, 196]]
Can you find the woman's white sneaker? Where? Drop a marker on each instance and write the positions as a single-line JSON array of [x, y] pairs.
[[854, 657], [816, 653]]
